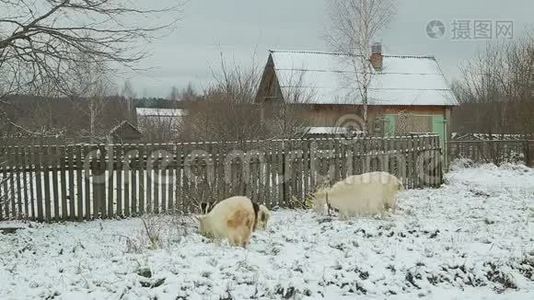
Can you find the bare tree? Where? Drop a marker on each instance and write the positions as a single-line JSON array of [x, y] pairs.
[[189, 93], [227, 110], [355, 24], [91, 83], [481, 84], [175, 94], [496, 89], [185, 94], [129, 95], [128, 90], [40, 40]]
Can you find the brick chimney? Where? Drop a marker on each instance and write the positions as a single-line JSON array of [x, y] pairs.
[[376, 56]]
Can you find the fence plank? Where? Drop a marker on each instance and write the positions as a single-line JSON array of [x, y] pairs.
[[163, 181], [12, 184], [412, 172], [8, 191], [97, 176], [178, 181], [47, 191], [18, 179], [149, 180], [141, 183], [156, 182], [79, 181], [170, 181], [25, 182], [110, 181], [55, 184], [72, 193], [134, 183], [4, 189], [3, 176], [30, 150], [438, 163], [38, 183], [441, 164], [119, 184], [87, 159], [268, 183], [127, 179], [415, 143], [63, 164]]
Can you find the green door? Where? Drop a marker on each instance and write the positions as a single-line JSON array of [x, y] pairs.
[[439, 127], [390, 125]]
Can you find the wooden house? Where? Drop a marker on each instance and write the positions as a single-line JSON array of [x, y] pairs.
[[406, 94]]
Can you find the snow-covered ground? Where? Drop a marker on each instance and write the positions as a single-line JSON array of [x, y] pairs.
[[473, 238]]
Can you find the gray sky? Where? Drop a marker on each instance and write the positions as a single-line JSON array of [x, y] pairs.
[[243, 30]]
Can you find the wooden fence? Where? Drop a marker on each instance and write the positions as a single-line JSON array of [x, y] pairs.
[[493, 151], [77, 182]]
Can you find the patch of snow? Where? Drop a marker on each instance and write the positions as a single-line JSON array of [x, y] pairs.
[[470, 239]]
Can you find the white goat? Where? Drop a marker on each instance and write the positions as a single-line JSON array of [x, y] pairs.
[[369, 194]]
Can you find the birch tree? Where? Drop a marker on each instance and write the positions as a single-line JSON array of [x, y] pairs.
[[92, 84], [355, 24]]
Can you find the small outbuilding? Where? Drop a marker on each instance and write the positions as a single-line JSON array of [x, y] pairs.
[[125, 132]]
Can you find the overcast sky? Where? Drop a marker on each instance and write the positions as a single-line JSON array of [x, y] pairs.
[[243, 31]]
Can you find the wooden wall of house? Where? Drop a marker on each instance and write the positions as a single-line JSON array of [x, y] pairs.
[[269, 88], [328, 114]]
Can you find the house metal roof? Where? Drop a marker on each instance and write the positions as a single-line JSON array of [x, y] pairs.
[[160, 112], [330, 78]]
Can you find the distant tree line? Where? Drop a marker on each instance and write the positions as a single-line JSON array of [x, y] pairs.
[[496, 91], [72, 118]]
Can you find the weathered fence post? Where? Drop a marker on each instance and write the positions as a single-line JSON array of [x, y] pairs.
[[72, 199], [3, 182], [79, 181]]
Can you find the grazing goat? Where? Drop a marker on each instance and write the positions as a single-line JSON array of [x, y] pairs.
[[369, 194], [234, 219]]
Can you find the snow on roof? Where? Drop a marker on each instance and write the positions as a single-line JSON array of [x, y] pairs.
[[121, 124], [160, 112], [330, 79], [328, 130]]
